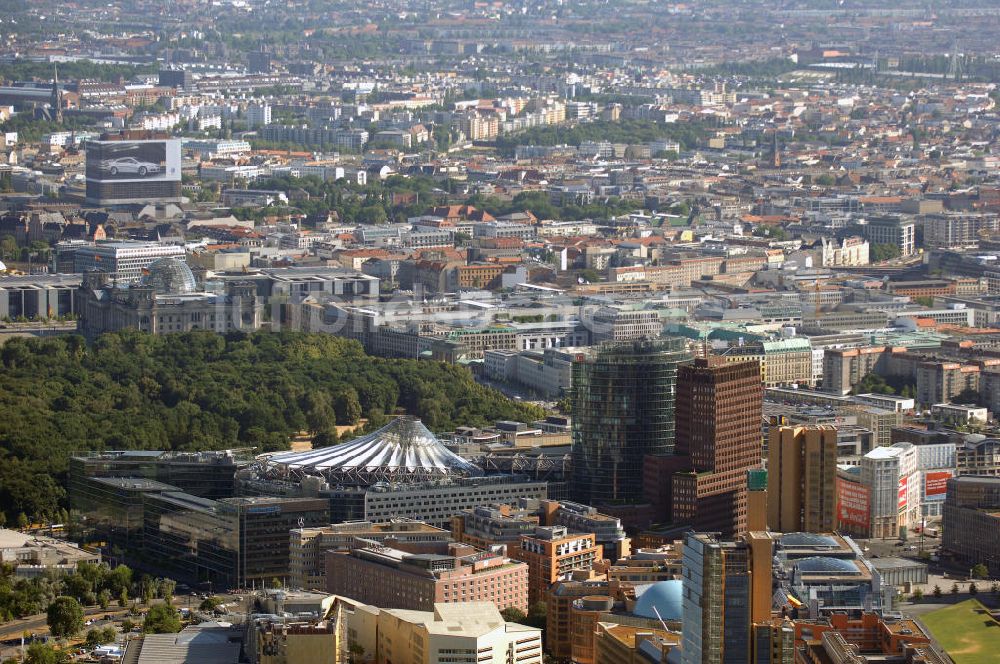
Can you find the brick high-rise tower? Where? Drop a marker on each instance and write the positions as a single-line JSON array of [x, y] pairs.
[[718, 430]]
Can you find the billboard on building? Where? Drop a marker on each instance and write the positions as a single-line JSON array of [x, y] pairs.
[[936, 484], [903, 485], [134, 161], [853, 507]]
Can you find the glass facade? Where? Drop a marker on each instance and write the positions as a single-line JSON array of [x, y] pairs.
[[191, 539], [716, 605], [204, 474], [736, 606], [157, 527], [107, 512], [623, 409]]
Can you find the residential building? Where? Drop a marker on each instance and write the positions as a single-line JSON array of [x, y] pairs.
[[258, 115], [551, 554], [648, 565], [942, 382], [956, 230], [219, 148], [577, 518], [486, 526], [625, 644], [896, 231], [559, 603]]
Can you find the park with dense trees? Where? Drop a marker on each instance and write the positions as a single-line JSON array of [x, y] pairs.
[[688, 134], [203, 391]]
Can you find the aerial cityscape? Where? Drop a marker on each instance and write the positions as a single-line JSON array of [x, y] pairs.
[[500, 332]]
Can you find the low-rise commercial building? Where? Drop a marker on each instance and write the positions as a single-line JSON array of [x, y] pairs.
[[472, 631], [307, 546], [33, 555], [379, 575]]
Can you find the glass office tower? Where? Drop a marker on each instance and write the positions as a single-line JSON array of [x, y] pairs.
[[623, 409]]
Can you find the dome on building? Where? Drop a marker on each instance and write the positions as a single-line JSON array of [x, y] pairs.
[[826, 565], [170, 276], [663, 597], [401, 451], [812, 540]]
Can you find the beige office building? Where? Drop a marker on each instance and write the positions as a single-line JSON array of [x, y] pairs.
[[801, 479], [472, 632]]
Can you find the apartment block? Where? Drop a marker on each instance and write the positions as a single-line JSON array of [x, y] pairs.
[[551, 554]]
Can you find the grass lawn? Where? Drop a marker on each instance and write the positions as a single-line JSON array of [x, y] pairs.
[[967, 631]]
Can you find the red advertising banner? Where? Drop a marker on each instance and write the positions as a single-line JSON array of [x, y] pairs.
[[902, 492], [936, 484], [853, 507]]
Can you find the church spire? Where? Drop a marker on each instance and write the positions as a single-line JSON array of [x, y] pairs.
[[56, 101]]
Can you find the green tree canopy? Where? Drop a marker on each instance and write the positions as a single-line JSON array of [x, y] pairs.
[[45, 653], [161, 619], [873, 383], [65, 617], [203, 391], [884, 252]]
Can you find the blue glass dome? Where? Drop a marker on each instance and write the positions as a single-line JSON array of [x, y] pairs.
[[826, 565], [808, 539], [170, 276], [665, 596]]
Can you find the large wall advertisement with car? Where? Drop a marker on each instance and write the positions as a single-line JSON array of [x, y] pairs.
[[134, 161]]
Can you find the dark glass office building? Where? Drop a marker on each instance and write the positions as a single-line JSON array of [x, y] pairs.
[[233, 542], [205, 474], [107, 513], [623, 409], [191, 528]]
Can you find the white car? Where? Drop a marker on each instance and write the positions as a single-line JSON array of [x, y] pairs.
[[129, 165]]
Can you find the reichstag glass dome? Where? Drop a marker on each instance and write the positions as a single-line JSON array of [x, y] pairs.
[[170, 276]]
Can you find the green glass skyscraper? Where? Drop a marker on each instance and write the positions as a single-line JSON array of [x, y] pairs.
[[623, 409]]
